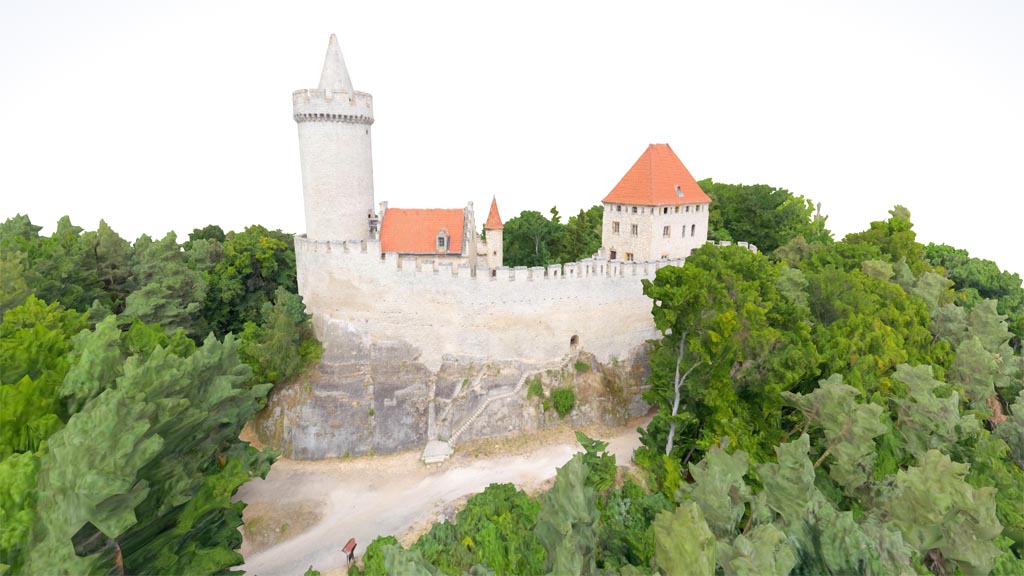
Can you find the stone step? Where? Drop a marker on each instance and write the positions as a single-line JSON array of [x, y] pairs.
[[436, 452]]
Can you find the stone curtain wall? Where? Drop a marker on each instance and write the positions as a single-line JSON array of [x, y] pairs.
[[523, 314]]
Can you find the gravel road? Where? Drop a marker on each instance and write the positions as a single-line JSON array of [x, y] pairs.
[[362, 498]]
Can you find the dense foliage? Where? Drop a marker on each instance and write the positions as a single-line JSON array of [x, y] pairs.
[[765, 216], [128, 371], [978, 280], [531, 239], [830, 408]]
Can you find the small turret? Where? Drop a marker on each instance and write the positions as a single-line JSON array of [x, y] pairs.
[[493, 229]]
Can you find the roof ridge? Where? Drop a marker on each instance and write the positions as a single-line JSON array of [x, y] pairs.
[[650, 170]]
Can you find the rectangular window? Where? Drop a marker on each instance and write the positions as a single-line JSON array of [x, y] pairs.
[[693, 229], [666, 231], [634, 230], [698, 207], [629, 256], [441, 243], [677, 209], [634, 209], [684, 231], [664, 210], [618, 207], [615, 227], [687, 208], [611, 255]]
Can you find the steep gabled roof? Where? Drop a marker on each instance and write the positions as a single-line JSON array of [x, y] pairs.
[[493, 218], [656, 179], [414, 230]]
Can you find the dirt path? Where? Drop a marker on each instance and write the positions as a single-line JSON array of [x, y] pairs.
[[362, 498]]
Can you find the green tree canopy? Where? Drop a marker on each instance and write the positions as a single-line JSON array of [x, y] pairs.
[[765, 216], [530, 239]]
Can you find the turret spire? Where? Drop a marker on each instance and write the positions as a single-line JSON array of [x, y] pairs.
[[335, 74], [493, 218]]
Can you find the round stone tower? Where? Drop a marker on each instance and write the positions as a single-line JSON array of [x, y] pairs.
[[334, 149]]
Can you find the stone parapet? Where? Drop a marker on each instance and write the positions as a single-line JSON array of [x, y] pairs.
[[314, 105]]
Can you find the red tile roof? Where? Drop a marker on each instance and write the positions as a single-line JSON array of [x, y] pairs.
[[414, 230], [493, 218], [653, 180]]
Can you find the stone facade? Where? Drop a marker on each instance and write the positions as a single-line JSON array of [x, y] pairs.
[[631, 232]]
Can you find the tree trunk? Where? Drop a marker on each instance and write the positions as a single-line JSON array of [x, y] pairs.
[[678, 385]]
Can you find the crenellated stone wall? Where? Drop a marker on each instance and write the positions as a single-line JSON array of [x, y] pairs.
[[525, 314]]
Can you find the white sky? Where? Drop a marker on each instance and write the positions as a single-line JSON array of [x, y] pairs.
[[174, 115]]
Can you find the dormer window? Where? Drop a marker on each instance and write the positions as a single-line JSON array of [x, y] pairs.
[[442, 240], [679, 191]]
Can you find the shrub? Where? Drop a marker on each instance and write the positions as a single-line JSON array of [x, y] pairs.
[[373, 558], [582, 366], [563, 399], [534, 388]]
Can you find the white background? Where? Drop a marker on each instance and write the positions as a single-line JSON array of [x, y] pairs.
[[173, 115]]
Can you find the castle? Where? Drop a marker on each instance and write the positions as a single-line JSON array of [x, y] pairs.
[[410, 302], [425, 276]]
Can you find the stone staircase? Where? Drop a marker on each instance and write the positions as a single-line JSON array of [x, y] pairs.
[[439, 451]]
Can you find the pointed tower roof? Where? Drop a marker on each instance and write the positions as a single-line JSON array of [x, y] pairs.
[[493, 218], [658, 178], [335, 74]]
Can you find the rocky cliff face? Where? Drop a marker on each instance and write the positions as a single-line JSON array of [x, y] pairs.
[[377, 398]]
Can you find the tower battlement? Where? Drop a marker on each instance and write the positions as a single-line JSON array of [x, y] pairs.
[[324, 105]]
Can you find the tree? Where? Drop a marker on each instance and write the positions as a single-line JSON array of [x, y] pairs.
[[169, 292], [251, 266], [61, 271], [626, 536], [581, 235], [765, 216], [283, 344], [530, 239], [568, 520], [152, 462], [684, 544], [850, 429], [895, 239], [737, 341], [979, 279], [110, 256]]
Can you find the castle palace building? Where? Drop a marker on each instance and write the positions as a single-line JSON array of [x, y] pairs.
[[442, 235], [657, 211]]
